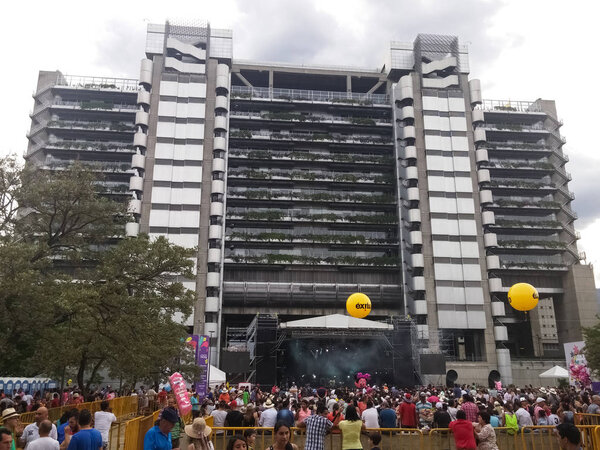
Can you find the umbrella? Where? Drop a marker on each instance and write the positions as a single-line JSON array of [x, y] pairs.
[[555, 372]]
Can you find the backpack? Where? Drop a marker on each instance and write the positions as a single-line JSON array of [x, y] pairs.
[[511, 423]]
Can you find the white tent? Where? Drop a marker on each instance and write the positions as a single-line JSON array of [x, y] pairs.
[[555, 372], [216, 376]]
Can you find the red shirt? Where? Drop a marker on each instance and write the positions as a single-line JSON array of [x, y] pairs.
[[463, 433], [408, 414]]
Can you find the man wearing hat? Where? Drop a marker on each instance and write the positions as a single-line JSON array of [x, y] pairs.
[[407, 412], [268, 418], [10, 420], [540, 404], [199, 434], [159, 436], [523, 416]]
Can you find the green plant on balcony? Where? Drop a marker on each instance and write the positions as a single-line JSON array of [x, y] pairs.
[[260, 154], [344, 100], [362, 121], [322, 137], [347, 177], [263, 215], [530, 243], [531, 224], [97, 104], [246, 134], [284, 116]]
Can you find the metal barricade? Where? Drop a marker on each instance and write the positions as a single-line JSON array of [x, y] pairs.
[[135, 430], [587, 419]]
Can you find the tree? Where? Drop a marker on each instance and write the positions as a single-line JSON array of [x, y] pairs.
[[73, 293], [591, 336]]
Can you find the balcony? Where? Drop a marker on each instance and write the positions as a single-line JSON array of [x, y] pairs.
[[315, 177], [132, 229], [490, 240], [414, 216], [531, 247], [310, 118], [495, 284], [481, 155], [409, 152], [416, 260], [500, 333], [488, 218], [516, 128], [415, 238], [138, 161], [485, 197], [314, 137], [411, 173], [406, 112], [287, 259], [493, 262], [498, 309], [418, 283], [115, 127], [419, 307], [136, 183], [310, 96], [521, 187], [412, 194], [525, 207], [354, 239], [338, 158], [101, 105], [383, 220], [506, 226], [483, 176], [533, 266]]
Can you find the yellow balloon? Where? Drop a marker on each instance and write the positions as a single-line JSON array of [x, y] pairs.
[[358, 305], [523, 297]]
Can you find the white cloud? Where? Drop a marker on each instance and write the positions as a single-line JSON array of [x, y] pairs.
[[590, 243]]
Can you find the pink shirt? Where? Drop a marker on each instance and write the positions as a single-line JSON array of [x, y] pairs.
[[302, 414]]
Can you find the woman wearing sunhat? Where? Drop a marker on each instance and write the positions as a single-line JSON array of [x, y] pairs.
[[199, 434], [10, 420]]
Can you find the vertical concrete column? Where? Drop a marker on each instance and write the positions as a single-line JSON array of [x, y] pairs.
[[209, 125]]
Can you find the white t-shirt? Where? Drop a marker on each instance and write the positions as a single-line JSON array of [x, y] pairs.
[[45, 443], [32, 432], [27, 398], [370, 418], [102, 423]]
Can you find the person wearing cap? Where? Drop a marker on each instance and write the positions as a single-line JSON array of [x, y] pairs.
[[159, 436], [523, 416], [407, 413], [10, 420], [199, 434], [540, 404]]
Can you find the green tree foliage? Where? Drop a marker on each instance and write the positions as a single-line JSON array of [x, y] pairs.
[[74, 295], [591, 335]]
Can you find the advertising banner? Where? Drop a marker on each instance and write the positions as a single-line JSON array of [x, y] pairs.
[[579, 374], [201, 346]]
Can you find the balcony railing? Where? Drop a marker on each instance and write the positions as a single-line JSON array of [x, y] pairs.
[[313, 118], [325, 197], [309, 156], [97, 126], [286, 216], [317, 137], [91, 145], [309, 238], [510, 106], [525, 265], [351, 98], [280, 258], [516, 244], [312, 176], [538, 224], [544, 204], [100, 83], [95, 104]]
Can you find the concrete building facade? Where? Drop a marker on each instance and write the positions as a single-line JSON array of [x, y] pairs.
[[300, 185]]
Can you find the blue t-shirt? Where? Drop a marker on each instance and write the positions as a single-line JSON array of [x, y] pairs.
[[195, 403], [156, 440], [61, 432], [494, 421], [387, 418], [286, 416], [86, 440]]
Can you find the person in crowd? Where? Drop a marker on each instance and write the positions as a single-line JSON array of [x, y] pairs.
[[486, 436], [10, 420], [317, 426], [351, 428], [250, 435], [71, 428], [374, 440], [195, 401], [303, 412], [569, 436], [87, 438], [199, 435], [336, 416], [285, 415], [159, 436], [32, 432], [469, 407], [179, 425], [523, 415], [281, 438], [5, 439], [251, 416], [103, 420], [441, 417], [387, 416], [45, 442], [219, 416], [463, 432], [268, 418], [407, 413], [370, 416]]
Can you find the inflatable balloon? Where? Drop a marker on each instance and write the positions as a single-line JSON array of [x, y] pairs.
[[358, 305], [181, 394], [523, 297]]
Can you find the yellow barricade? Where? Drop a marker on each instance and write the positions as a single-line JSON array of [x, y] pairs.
[[135, 430], [587, 419], [442, 438]]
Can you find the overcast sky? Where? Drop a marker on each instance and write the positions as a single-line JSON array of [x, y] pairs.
[[521, 50]]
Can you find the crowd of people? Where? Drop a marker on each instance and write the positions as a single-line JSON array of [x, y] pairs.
[[470, 412]]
